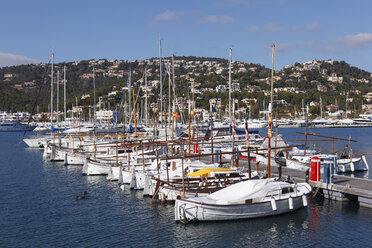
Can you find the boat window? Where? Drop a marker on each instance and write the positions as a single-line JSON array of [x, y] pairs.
[[287, 190], [121, 151], [234, 174]]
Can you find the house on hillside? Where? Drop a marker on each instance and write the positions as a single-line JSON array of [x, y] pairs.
[[221, 87], [368, 96], [334, 78], [320, 87], [331, 108]]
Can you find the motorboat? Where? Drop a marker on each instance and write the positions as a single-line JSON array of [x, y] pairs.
[[14, 126], [243, 200]]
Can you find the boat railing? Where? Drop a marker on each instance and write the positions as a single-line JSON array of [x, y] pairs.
[[288, 191]]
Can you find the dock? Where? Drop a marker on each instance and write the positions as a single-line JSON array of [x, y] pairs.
[[343, 188]]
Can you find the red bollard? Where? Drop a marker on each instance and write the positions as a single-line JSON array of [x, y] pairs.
[[315, 169]]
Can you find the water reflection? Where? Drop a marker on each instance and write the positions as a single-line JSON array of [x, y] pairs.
[[242, 232]]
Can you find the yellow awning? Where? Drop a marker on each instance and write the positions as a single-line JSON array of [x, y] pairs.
[[206, 172]]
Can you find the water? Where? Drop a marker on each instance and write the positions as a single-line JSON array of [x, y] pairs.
[[38, 209]]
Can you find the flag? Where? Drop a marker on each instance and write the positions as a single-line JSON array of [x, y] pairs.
[[176, 115]]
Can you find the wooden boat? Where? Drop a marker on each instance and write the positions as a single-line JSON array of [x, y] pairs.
[[246, 199]]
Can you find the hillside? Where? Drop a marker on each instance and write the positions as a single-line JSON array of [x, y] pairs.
[[333, 81]]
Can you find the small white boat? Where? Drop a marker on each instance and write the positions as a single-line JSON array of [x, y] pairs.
[[247, 199], [14, 126], [352, 164], [348, 162], [35, 142], [93, 167]]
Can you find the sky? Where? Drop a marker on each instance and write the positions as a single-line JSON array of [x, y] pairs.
[[130, 30]]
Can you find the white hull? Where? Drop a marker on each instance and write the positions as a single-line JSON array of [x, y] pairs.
[[96, 168], [35, 142], [351, 165], [188, 210], [297, 165], [125, 176], [113, 174], [74, 159]]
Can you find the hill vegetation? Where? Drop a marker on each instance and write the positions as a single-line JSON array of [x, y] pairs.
[[336, 82]]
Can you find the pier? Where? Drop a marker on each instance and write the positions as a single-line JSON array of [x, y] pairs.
[[343, 188]]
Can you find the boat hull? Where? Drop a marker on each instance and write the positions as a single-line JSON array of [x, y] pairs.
[[194, 211]]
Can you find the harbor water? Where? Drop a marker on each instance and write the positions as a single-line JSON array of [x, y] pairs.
[[38, 208]]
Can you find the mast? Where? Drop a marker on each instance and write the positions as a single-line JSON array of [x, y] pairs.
[[303, 109], [57, 109], [161, 86], [173, 83], [169, 95], [233, 137], [124, 111], [129, 99], [135, 123], [146, 114], [64, 93], [307, 113], [230, 118], [270, 131], [94, 103], [321, 107], [347, 96], [51, 93], [272, 75]]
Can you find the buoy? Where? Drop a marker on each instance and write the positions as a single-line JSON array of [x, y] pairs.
[[352, 167], [122, 187], [120, 175], [304, 200], [290, 202], [162, 197], [273, 204], [45, 154], [53, 153]]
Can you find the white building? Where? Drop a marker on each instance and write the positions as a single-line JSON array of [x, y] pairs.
[[104, 115], [221, 87], [335, 79]]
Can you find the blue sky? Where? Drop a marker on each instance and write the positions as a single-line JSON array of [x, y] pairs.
[[129, 30]]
